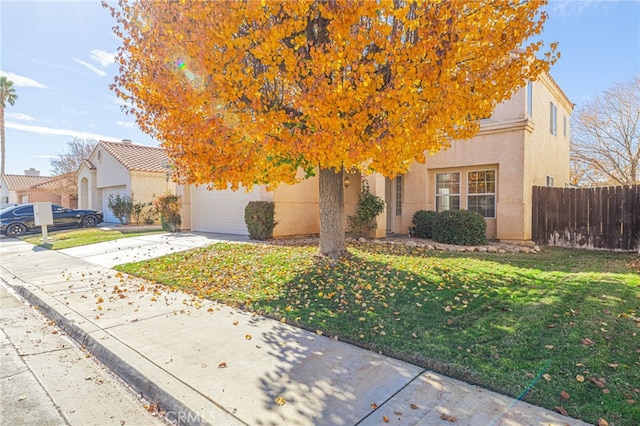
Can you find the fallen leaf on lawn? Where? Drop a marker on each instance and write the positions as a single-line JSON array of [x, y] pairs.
[[449, 322], [606, 391], [319, 332], [374, 405], [280, 401], [248, 337], [597, 382], [562, 411], [579, 364], [548, 346], [530, 375], [547, 377], [551, 325], [447, 308], [413, 406], [415, 336], [586, 341], [613, 365], [444, 416], [631, 401], [564, 395], [602, 422], [385, 419], [222, 365], [580, 378]]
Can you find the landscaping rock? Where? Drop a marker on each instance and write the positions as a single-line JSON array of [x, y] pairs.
[[411, 243], [362, 240], [492, 249]]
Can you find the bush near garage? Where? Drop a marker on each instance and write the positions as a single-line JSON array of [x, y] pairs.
[[461, 227], [121, 206], [259, 216], [423, 223], [168, 205]]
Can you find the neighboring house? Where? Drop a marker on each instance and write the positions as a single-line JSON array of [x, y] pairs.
[[525, 143], [122, 168], [30, 188]]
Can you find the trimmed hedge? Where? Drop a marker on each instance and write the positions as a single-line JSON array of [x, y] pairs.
[[423, 223], [259, 216], [461, 227]]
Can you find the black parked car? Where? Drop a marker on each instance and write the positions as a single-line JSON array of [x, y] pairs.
[[18, 220]]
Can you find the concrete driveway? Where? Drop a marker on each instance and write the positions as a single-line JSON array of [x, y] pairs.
[[135, 249]]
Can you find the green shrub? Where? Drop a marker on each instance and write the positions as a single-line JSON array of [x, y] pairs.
[[462, 227], [259, 216], [121, 206], [363, 221], [423, 223], [168, 205]]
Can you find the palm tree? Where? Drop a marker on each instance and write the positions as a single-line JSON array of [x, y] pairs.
[[7, 94]]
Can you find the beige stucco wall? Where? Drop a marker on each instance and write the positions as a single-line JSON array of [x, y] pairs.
[[297, 206], [90, 198], [146, 185], [38, 195], [546, 154], [520, 148]]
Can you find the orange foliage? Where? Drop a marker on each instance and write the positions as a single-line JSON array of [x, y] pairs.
[[248, 92]]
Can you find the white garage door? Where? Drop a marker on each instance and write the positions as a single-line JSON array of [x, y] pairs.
[[108, 215], [220, 211]]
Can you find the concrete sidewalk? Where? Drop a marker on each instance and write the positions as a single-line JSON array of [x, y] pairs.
[[205, 363]]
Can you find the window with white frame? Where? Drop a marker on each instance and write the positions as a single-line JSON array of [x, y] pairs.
[[399, 184], [447, 191], [553, 119], [481, 192]]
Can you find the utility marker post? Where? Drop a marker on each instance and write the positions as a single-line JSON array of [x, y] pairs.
[[43, 216]]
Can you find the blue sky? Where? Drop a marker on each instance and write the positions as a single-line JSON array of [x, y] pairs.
[[59, 55]]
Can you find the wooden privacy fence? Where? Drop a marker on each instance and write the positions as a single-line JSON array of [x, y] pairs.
[[595, 218]]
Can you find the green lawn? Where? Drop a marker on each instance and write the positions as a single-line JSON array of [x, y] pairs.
[[58, 240], [558, 321]]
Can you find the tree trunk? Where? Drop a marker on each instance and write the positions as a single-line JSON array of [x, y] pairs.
[[332, 239]]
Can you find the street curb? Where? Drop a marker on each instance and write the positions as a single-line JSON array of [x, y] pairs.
[[142, 375]]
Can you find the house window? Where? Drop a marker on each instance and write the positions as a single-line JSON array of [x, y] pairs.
[[554, 120], [549, 181], [398, 195], [481, 194], [530, 99], [447, 191]]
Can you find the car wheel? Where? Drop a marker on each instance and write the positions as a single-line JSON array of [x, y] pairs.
[[16, 230], [89, 221]]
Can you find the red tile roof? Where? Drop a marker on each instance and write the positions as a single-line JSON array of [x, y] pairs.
[[137, 157], [15, 182]]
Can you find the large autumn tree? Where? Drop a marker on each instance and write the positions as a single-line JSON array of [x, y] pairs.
[[253, 92]]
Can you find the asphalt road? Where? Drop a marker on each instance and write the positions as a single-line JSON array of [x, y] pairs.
[[46, 379]]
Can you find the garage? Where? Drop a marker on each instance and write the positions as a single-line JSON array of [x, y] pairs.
[[106, 192], [220, 211]]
